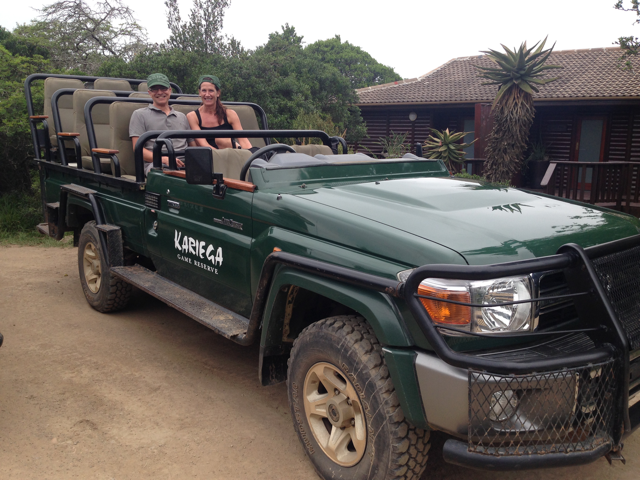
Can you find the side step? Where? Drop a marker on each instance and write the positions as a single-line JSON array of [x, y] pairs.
[[212, 315], [43, 228]]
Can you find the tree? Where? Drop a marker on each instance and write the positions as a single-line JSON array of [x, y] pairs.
[[630, 45], [290, 81], [80, 36], [353, 62], [517, 74], [24, 47], [16, 149], [202, 33]]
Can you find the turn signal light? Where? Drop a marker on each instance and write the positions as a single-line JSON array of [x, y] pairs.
[[444, 312]]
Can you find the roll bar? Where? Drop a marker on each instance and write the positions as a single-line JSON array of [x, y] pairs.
[[166, 136]]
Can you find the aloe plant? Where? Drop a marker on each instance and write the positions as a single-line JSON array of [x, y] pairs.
[[446, 146], [519, 72]]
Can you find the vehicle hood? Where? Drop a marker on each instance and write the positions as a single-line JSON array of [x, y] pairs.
[[485, 224]]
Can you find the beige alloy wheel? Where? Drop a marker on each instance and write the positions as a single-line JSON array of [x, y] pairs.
[[335, 414], [92, 270]]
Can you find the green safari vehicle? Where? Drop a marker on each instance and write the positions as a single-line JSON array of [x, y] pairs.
[[393, 299]]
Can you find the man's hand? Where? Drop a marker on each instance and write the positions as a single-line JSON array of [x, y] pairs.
[[179, 163]]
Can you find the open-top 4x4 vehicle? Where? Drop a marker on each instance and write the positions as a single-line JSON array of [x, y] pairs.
[[393, 299]]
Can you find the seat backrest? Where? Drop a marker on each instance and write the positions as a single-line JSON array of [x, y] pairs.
[[186, 108], [139, 95], [111, 84], [313, 150], [248, 120], [119, 119], [142, 87], [99, 116], [229, 162], [65, 102]]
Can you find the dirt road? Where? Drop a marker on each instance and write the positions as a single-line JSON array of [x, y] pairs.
[[148, 393]]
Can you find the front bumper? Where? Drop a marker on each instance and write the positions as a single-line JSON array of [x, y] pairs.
[[547, 407], [560, 418]]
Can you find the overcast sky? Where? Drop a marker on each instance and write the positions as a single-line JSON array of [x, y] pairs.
[[412, 37]]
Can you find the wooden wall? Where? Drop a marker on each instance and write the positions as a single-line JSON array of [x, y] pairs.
[[556, 126]]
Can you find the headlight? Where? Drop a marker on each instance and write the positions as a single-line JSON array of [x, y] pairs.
[[489, 319]]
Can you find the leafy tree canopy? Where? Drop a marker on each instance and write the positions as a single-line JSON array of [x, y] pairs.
[[202, 32], [281, 76], [16, 149], [25, 47], [353, 62], [629, 45], [80, 35]]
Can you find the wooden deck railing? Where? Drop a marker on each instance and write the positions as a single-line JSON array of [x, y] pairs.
[[613, 184]]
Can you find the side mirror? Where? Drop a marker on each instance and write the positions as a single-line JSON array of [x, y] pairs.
[[198, 165]]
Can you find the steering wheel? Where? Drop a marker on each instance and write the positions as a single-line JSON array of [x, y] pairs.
[[275, 148]]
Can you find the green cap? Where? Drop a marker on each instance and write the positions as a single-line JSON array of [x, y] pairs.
[[211, 79], [156, 79]]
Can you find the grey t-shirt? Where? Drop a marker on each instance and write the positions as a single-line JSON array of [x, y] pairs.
[[152, 118]]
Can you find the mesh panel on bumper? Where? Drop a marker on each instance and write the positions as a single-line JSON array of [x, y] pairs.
[[565, 411], [619, 274]]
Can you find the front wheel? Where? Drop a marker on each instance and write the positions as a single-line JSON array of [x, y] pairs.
[[104, 291], [344, 406]]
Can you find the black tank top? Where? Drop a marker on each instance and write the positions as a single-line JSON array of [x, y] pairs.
[[224, 126]]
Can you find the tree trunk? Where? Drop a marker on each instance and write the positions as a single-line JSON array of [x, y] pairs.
[[512, 119]]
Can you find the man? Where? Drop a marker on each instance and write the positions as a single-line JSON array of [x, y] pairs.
[[158, 116]]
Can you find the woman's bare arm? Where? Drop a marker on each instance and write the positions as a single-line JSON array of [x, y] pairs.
[[234, 120]]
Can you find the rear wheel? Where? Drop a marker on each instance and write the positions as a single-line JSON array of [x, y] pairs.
[[103, 291], [344, 406]]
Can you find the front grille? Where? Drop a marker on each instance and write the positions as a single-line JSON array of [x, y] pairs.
[[619, 274], [565, 411]]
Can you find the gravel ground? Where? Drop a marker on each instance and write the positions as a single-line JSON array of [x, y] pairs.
[[148, 393]]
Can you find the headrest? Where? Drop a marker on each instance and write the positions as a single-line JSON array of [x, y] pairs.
[[51, 85], [111, 84]]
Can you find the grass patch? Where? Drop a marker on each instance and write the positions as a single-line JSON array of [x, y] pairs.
[[19, 215]]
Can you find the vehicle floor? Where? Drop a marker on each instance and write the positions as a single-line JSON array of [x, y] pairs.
[[148, 393]]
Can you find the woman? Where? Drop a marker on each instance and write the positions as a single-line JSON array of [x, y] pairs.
[[212, 115]]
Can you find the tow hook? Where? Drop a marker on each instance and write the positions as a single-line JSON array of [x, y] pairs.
[[616, 455]]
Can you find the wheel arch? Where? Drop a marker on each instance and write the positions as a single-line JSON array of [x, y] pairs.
[[79, 212], [284, 318]]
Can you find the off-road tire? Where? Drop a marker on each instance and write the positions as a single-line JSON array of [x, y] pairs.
[[111, 292], [394, 448]]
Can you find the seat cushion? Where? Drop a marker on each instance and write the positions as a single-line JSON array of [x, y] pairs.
[[105, 164], [313, 150]]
